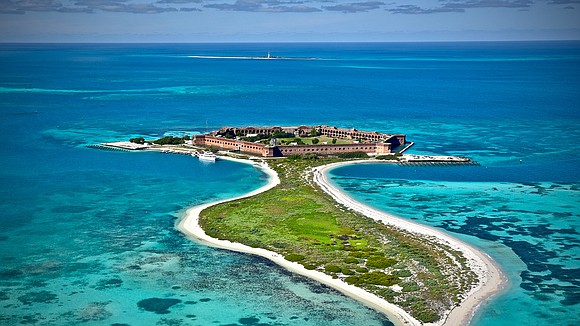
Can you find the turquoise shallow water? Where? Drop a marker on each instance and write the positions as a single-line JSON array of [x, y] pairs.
[[95, 243], [88, 236], [530, 228]]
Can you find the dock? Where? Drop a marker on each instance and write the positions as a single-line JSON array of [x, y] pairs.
[[434, 160]]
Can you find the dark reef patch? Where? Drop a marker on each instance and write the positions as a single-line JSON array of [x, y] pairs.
[[70, 209], [37, 297], [249, 320], [157, 305]]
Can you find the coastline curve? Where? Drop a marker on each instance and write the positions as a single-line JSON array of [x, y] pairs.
[[492, 280]]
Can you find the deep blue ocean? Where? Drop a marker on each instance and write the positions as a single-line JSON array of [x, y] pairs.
[[87, 236]]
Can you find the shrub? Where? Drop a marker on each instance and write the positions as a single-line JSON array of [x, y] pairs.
[[315, 141], [357, 254], [169, 140], [402, 273], [387, 294], [362, 269], [347, 271], [427, 316], [410, 286], [375, 277], [380, 262], [350, 260], [281, 134], [138, 140], [388, 157], [309, 266], [294, 257], [420, 310], [332, 268], [353, 155]]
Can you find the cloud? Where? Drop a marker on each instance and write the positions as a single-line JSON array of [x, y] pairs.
[[189, 9], [563, 2], [416, 10], [22, 6], [462, 6], [178, 1], [355, 6], [407, 7], [264, 6], [92, 6], [123, 6]]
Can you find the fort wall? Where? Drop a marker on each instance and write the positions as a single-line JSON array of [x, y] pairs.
[[368, 142]]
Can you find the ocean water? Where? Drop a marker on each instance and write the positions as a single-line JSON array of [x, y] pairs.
[[88, 236]]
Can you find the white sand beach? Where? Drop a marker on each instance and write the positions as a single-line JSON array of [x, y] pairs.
[[490, 275], [491, 279]]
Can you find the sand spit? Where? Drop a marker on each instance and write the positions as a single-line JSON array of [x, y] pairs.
[[490, 275], [190, 226], [491, 279]]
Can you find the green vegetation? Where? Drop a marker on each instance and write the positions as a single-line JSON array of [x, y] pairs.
[[410, 286], [389, 157], [380, 262], [353, 155], [281, 134], [257, 137], [332, 268], [294, 257], [289, 138], [314, 133], [169, 140], [374, 277], [138, 140], [402, 273], [299, 221]]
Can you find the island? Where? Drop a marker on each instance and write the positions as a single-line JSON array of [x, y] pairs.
[[268, 56], [412, 273]]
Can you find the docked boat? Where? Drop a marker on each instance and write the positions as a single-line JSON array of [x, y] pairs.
[[206, 156]]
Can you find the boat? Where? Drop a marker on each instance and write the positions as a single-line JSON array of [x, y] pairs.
[[206, 156]]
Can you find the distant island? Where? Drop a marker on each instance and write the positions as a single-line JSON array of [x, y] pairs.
[[412, 273], [266, 57]]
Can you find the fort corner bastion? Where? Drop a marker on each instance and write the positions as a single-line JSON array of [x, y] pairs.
[[351, 140]]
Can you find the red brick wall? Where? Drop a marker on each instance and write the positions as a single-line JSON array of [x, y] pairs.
[[327, 149], [259, 149]]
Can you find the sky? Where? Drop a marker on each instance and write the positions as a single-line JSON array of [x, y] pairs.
[[175, 21]]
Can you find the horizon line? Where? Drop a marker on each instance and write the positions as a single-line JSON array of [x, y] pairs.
[[300, 42]]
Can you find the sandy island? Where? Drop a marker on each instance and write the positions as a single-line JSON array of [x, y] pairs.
[[492, 280]]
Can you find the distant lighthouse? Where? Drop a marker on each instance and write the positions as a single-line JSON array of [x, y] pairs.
[[268, 57]]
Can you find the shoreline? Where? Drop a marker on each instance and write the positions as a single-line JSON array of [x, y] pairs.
[[492, 280]]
